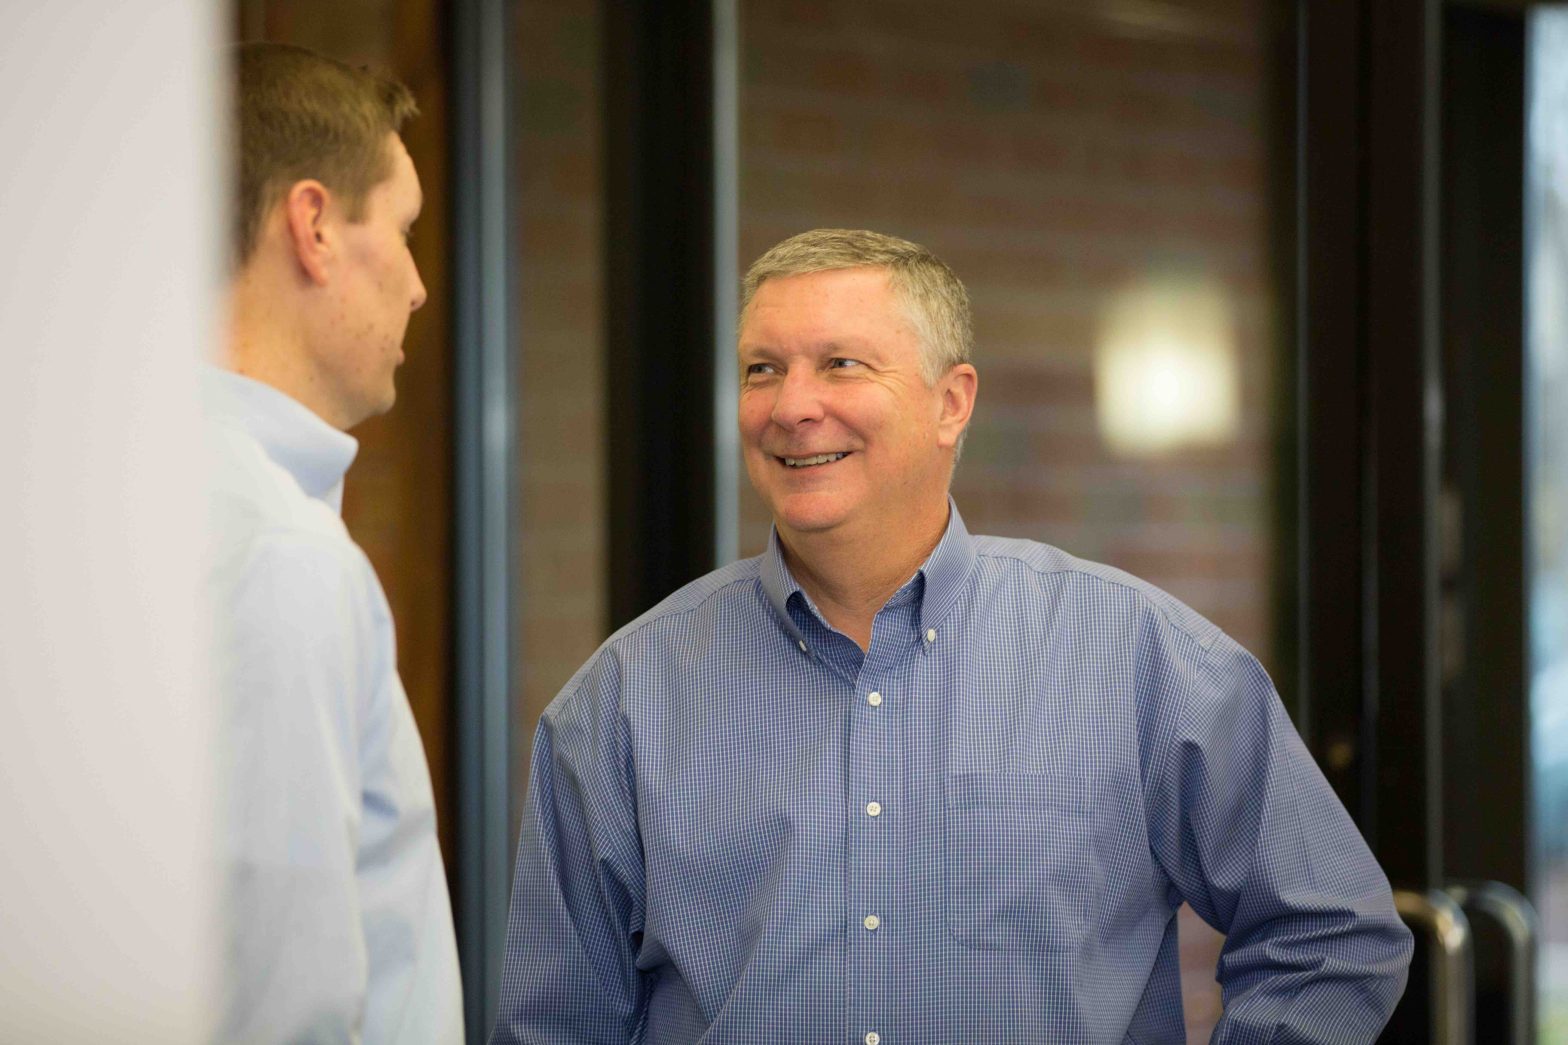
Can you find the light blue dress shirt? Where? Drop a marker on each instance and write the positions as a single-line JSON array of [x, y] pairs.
[[740, 828], [337, 925]]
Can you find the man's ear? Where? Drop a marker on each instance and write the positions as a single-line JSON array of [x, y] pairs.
[[958, 387], [305, 211]]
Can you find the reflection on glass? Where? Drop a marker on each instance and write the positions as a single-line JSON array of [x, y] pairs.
[[1547, 469], [1165, 367]]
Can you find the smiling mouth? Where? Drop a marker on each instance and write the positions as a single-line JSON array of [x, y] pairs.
[[812, 462]]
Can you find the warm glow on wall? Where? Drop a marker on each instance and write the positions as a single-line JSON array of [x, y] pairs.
[[1165, 370]]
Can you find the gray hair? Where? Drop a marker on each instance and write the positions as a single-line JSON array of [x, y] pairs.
[[934, 300]]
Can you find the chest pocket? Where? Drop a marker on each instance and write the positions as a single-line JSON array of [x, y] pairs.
[[1018, 861]]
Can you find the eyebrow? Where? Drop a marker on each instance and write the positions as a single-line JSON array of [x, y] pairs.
[[864, 350]]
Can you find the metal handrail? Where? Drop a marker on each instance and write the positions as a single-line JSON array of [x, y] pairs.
[[1517, 917], [1441, 919]]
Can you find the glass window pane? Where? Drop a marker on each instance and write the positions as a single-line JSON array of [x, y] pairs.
[[1546, 216]]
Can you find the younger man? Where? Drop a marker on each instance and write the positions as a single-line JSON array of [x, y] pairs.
[[338, 923]]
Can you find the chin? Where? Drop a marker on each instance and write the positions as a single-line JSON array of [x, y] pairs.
[[367, 409], [809, 514], [383, 402]]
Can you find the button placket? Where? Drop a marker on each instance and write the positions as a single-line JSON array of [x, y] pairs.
[[872, 799], [873, 771]]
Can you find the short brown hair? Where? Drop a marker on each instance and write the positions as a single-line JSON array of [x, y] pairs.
[[302, 115], [935, 300]]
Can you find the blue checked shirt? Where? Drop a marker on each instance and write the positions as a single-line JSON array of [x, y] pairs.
[[741, 828]]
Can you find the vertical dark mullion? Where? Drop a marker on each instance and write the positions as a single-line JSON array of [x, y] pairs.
[[484, 263], [1369, 439], [659, 316], [1283, 172], [1404, 417], [1329, 292], [1487, 759], [1370, 391]]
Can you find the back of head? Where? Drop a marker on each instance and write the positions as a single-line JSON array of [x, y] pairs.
[[301, 115], [936, 302]]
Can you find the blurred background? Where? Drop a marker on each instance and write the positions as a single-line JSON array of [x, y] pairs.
[[1271, 309]]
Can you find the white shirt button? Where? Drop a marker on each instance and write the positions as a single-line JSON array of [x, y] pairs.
[[873, 808], [872, 921], [930, 634], [874, 699], [873, 1038], [802, 645]]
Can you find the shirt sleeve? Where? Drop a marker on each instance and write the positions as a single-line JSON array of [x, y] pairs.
[[574, 931], [290, 638], [1253, 837]]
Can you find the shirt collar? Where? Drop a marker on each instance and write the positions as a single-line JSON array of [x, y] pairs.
[[945, 571], [302, 444]]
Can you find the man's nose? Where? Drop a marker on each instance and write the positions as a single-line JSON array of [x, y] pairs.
[[420, 294], [799, 398]]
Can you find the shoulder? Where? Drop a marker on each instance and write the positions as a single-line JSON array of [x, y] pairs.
[[275, 553], [1131, 643], [258, 508], [693, 610], [249, 492], [679, 629], [1064, 582], [1182, 672]]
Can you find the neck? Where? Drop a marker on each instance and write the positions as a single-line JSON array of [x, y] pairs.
[[265, 343], [850, 579]]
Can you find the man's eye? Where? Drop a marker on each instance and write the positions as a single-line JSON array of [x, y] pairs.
[[758, 369], [839, 363]]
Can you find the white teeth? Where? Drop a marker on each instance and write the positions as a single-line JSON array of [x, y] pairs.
[[806, 462]]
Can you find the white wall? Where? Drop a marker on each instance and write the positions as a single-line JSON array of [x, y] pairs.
[[109, 168]]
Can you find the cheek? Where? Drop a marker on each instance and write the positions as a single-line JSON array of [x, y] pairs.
[[752, 414], [866, 415]]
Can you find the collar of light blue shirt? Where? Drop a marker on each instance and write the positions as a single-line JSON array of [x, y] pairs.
[[945, 573], [312, 451]]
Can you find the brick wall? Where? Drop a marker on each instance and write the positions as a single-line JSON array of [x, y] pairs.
[[1053, 155], [562, 452]]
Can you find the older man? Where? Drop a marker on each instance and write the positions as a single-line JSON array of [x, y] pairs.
[[338, 925], [890, 782]]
